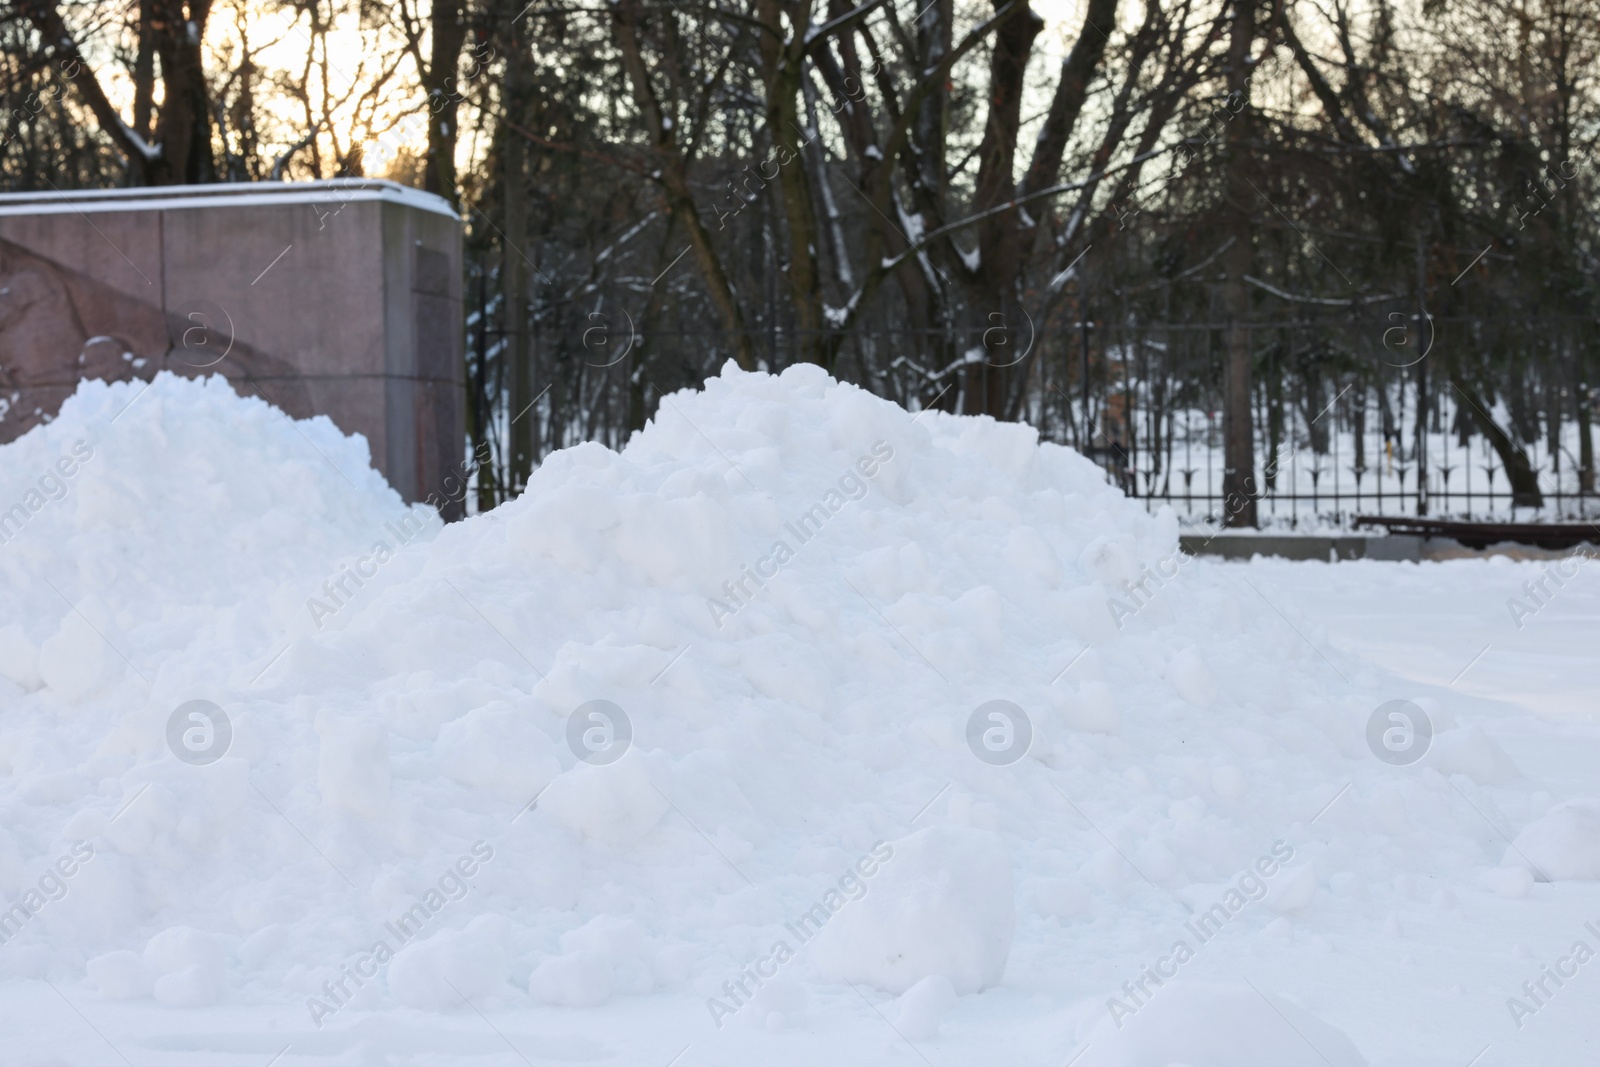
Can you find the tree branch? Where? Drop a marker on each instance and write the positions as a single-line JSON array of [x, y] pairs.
[[47, 19]]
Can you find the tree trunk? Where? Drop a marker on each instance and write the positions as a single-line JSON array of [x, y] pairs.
[[1552, 397], [144, 73], [1525, 490], [786, 65], [181, 151], [448, 31], [928, 319], [1421, 448], [673, 176], [514, 279], [184, 128], [1238, 435], [986, 389], [1585, 436], [1358, 418], [1274, 426], [481, 408]]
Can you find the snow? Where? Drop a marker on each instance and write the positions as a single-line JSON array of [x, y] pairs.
[[1562, 845], [942, 906], [173, 198], [1220, 1026], [920, 1009], [671, 756]]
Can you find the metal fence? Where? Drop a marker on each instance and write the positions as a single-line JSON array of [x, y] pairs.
[[1336, 416], [1341, 444], [1445, 478]]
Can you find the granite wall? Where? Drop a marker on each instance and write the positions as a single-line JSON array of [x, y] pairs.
[[339, 298]]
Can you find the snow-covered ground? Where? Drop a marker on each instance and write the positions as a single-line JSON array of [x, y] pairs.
[[798, 829]]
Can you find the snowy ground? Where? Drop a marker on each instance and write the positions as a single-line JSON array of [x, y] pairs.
[[1221, 725]]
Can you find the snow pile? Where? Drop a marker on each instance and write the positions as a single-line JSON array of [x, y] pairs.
[[697, 717], [1210, 1025], [1564, 845], [943, 906], [175, 521]]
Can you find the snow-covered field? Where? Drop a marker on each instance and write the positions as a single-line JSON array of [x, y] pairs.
[[693, 756]]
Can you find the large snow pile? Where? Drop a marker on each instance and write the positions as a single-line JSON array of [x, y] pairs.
[[791, 596]]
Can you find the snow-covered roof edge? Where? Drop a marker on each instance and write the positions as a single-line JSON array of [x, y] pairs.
[[228, 194]]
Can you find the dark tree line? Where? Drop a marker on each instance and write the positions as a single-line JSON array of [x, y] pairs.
[[1255, 204]]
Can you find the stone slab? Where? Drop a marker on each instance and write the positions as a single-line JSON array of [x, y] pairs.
[[338, 298]]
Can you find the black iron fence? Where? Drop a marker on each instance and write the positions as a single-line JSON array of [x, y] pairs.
[[1448, 476], [1358, 415], [1338, 433]]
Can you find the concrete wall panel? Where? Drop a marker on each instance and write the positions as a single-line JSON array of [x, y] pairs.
[[338, 298], [122, 250]]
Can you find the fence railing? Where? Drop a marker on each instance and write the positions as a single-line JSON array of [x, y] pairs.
[[1447, 475], [1336, 408]]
